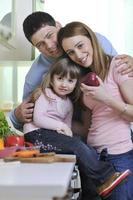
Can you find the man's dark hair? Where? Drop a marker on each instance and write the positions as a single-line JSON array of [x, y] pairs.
[[35, 21]]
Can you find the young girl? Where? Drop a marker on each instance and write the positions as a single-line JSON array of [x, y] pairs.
[[111, 103], [51, 127]]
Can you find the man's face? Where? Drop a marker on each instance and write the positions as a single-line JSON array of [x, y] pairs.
[[45, 40]]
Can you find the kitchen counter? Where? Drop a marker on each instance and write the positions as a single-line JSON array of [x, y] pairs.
[[23, 181]]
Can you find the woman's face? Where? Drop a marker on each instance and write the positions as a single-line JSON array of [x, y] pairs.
[[79, 49]]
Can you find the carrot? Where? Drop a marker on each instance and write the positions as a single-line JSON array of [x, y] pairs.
[[26, 153]]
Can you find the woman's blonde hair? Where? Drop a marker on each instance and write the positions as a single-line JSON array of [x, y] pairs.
[[63, 67], [101, 61]]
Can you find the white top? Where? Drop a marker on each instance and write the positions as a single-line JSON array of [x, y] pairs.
[[22, 181]]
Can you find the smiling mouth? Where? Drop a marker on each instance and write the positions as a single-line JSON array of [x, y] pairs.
[[83, 61]]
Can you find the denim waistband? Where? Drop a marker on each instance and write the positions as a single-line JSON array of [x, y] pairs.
[[122, 154], [104, 154]]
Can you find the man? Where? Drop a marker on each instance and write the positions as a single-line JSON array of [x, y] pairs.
[[41, 30]]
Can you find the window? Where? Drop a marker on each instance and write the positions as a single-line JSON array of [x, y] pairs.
[[12, 81]]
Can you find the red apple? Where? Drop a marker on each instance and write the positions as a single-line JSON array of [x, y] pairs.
[[14, 140], [91, 79]]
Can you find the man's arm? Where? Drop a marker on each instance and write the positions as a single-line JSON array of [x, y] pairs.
[[126, 69], [109, 49], [106, 45], [22, 114], [17, 124], [24, 111], [35, 75]]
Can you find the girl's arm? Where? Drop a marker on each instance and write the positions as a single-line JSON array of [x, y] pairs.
[[68, 119], [66, 129]]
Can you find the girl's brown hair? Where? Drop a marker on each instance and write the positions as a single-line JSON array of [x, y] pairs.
[[62, 67], [101, 61]]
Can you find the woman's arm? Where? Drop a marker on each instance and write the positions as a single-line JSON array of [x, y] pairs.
[[125, 108]]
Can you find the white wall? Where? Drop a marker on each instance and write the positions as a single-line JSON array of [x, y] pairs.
[[112, 18]]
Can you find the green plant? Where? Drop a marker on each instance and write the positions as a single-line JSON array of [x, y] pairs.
[[4, 126]]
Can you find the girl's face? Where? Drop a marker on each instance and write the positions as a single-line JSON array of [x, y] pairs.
[[79, 49], [63, 86]]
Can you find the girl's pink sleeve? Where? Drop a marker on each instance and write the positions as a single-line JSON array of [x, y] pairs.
[[68, 119], [40, 118]]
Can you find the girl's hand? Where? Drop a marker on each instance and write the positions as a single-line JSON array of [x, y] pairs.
[[125, 64], [98, 93], [65, 130]]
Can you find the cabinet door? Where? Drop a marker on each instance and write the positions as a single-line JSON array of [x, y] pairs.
[[13, 44]]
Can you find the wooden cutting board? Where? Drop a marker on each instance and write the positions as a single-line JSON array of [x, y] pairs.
[[44, 159]]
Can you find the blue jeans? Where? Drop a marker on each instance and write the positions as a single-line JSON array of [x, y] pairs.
[[92, 171], [122, 162]]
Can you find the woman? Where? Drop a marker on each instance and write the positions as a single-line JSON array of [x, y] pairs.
[[111, 103], [51, 127]]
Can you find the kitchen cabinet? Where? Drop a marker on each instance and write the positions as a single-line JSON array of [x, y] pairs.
[[13, 44]]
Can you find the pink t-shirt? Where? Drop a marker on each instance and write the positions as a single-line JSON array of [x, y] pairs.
[[108, 129], [50, 114]]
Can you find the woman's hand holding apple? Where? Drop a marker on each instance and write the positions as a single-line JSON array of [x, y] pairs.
[[97, 92]]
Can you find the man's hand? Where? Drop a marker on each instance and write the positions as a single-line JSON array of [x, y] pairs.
[[125, 62], [24, 112]]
